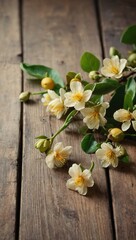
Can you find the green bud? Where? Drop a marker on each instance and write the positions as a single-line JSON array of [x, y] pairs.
[[132, 60], [24, 96], [113, 52], [43, 145], [94, 75]]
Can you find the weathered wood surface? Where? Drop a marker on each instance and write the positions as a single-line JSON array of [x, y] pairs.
[[55, 34], [10, 87], [121, 14]]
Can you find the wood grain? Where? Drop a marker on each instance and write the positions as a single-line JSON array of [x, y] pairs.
[[55, 34], [10, 87], [121, 14]]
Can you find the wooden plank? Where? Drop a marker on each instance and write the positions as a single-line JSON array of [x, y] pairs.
[[56, 34], [121, 14], [10, 86]]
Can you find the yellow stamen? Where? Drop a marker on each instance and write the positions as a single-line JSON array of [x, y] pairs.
[[110, 155], [79, 181], [114, 70], [58, 108], [95, 114], [77, 96], [126, 117], [59, 156]]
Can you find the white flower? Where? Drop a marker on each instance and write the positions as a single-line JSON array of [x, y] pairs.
[[56, 106], [46, 99], [113, 67], [79, 180], [108, 155], [126, 117], [94, 116], [58, 156], [77, 97]]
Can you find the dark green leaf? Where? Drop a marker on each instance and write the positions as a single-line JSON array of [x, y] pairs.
[[89, 144], [130, 92], [39, 71], [124, 159], [89, 62], [129, 35], [90, 86], [106, 86], [69, 76], [97, 99], [116, 102]]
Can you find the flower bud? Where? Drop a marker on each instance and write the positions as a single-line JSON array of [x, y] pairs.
[[113, 52], [47, 83], [121, 151], [24, 96], [116, 134], [132, 60], [94, 75], [43, 145]]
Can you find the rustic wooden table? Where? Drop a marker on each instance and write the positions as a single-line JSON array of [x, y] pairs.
[[34, 201]]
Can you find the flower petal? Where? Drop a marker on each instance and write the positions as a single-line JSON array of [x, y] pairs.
[[76, 87], [52, 94], [75, 170], [79, 105], [134, 125], [123, 63], [121, 115], [115, 163], [87, 95], [50, 160], [67, 150], [88, 178], [71, 184], [105, 163], [58, 146], [134, 114], [62, 93], [82, 190], [125, 126]]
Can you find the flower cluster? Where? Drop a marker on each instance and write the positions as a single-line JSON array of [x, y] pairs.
[[114, 120]]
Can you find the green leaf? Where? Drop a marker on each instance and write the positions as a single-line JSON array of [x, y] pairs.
[[69, 76], [89, 144], [130, 92], [90, 86], [124, 159], [106, 86], [89, 62], [116, 102], [39, 72], [129, 35], [97, 99]]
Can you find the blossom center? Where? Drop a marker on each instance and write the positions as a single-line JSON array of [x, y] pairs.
[[59, 156], [58, 108], [126, 117], [110, 155], [79, 181], [95, 114], [77, 96], [114, 70]]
